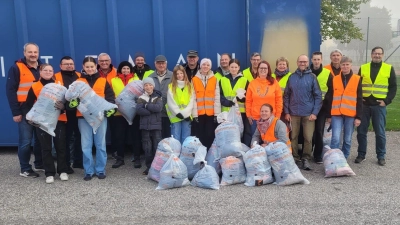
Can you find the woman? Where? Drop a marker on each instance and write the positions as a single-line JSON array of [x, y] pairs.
[[270, 129], [91, 76], [118, 124], [180, 101], [229, 85], [208, 103], [263, 89], [282, 73], [46, 140]]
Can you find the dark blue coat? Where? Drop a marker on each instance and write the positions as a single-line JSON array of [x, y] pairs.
[[149, 109]]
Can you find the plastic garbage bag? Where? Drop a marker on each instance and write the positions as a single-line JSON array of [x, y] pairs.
[[91, 105], [231, 149], [43, 111], [233, 116], [206, 177], [162, 155], [227, 133], [233, 171], [190, 147], [126, 100], [173, 174], [212, 158], [327, 134], [284, 168], [245, 148], [173, 143], [336, 164], [258, 168]]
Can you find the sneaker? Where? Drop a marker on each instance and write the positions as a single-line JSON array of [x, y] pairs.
[[359, 159], [306, 164], [137, 163], [87, 177], [381, 162], [64, 176], [38, 169], [29, 173], [118, 163], [49, 180], [146, 171], [70, 170], [101, 176]]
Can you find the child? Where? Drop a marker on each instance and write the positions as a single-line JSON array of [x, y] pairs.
[[180, 101], [46, 140], [149, 107]]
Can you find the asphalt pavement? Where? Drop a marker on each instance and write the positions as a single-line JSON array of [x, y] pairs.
[[126, 197]]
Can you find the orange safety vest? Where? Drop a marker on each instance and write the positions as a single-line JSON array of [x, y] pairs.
[[98, 87], [111, 75], [37, 88], [59, 80], [345, 99], [269, 136], [26, 79], [205, 96], [329, 67]]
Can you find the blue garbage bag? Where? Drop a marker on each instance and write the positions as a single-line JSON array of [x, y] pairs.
[[173, 174], [258, 168], [206, 177]]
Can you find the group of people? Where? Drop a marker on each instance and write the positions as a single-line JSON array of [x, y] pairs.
[[277, 105]]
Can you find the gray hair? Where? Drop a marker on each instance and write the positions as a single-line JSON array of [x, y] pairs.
[[255, 54], [346, 59], [30, 43], [336, 50], [104, 54]]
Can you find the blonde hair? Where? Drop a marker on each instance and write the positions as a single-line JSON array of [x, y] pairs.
[[282, 59], [174, 81]]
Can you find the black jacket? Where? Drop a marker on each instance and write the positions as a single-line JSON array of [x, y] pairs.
[[140, 71], [191, 73]]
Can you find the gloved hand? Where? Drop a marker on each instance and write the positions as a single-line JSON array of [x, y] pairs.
[[187, 118], [215, 119], [240, 99], [59, 105], [74, 103], [180, 116], [110, 112], [195, 119], [231, 103]]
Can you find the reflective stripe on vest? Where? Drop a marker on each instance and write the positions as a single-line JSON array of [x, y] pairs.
[[26, 79], [59, 79], [380, 88], [230, 93], [269, 136], [181, 98], [147, 73], [37, 88], [323, 80], [345, 99], [205, 95], [247, 74], [283, 81], [98, 87]]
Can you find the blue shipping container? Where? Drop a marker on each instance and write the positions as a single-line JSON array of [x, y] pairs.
[[171, 27]]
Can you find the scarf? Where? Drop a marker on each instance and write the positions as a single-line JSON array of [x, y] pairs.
[[263, 125], [281, 73]]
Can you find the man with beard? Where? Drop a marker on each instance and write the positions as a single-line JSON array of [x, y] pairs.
[[223, 70], [141, 69]]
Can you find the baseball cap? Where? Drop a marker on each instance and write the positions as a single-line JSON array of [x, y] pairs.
[[192, 53], [160, 58]]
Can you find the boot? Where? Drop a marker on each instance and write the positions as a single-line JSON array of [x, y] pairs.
[[118, 163], [137, 163]]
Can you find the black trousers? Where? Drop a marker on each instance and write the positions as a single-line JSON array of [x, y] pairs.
[[165, 127], [318, 138], [73, 140], [121, 131], [136, 138], [150, 140], [247, 135], [46, 141], [205, 130]]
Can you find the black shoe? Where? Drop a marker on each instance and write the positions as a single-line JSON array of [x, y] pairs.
[[359, 159], [87, 177], [114, 155], [146, 171], [381, 162], [29, 173], [318, 161], [70, 170], [306, 165], [101, 176], [137, 163], [38, 169], [118, 163], [77, 165]]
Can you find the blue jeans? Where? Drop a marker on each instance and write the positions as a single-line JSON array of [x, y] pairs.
[[378, 115], [347, 123], [26, 132], [87, 137], [181, 130], [253, 127]]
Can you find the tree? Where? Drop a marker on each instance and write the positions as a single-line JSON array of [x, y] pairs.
[[337, 20]]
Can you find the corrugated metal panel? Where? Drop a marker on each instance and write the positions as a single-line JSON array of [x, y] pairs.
[[124, 27]]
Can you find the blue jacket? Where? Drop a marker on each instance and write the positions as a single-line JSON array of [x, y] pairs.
[[302, 95], [149, 109]]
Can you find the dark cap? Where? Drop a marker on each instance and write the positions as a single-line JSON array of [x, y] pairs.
[[192, 53], [160, 58], [139, 54]]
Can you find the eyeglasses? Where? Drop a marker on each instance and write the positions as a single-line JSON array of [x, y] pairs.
[[302, 62], [67, 64], [263, 68], [101, 61], [256, 60]]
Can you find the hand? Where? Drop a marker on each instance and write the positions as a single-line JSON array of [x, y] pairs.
[[250, 120], [110, 112], [357, 122], [74, 103], [195, 119], [328, 120], [59, 105], [215, 119], [312, 117], [381, 102], [187, 118], [288, 118], [231, 103], [180, 116], [17, 119]]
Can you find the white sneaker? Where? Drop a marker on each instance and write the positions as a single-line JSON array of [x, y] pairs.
[[49, 179], [64, 176]]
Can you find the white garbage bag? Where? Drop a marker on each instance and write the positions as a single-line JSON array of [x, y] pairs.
[[43, 111], [233, 116], [284, 168], [336, 164], [227, 133], [173, 174], [126, 100], [213, 156], [190, 147], [233, 171], [91, 105], [258, 168], [206, 177]]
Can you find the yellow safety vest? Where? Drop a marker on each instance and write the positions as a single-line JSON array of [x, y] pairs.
[[322, 80], [181, 98], [117, 84], [380, 88], [147, 73], [218, 76], [283, 81], [247, 74], [230, 93]]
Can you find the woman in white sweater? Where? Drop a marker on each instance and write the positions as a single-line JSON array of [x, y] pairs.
[[180, 104]]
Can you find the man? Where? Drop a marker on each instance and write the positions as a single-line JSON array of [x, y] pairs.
[[302, 101], [20, 79], [105, 68], [223, 70], [379, 88], [192, 65], [250, 73], [141, 69], [334, 67], [67, 76], [162, 78], [323, 76]]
